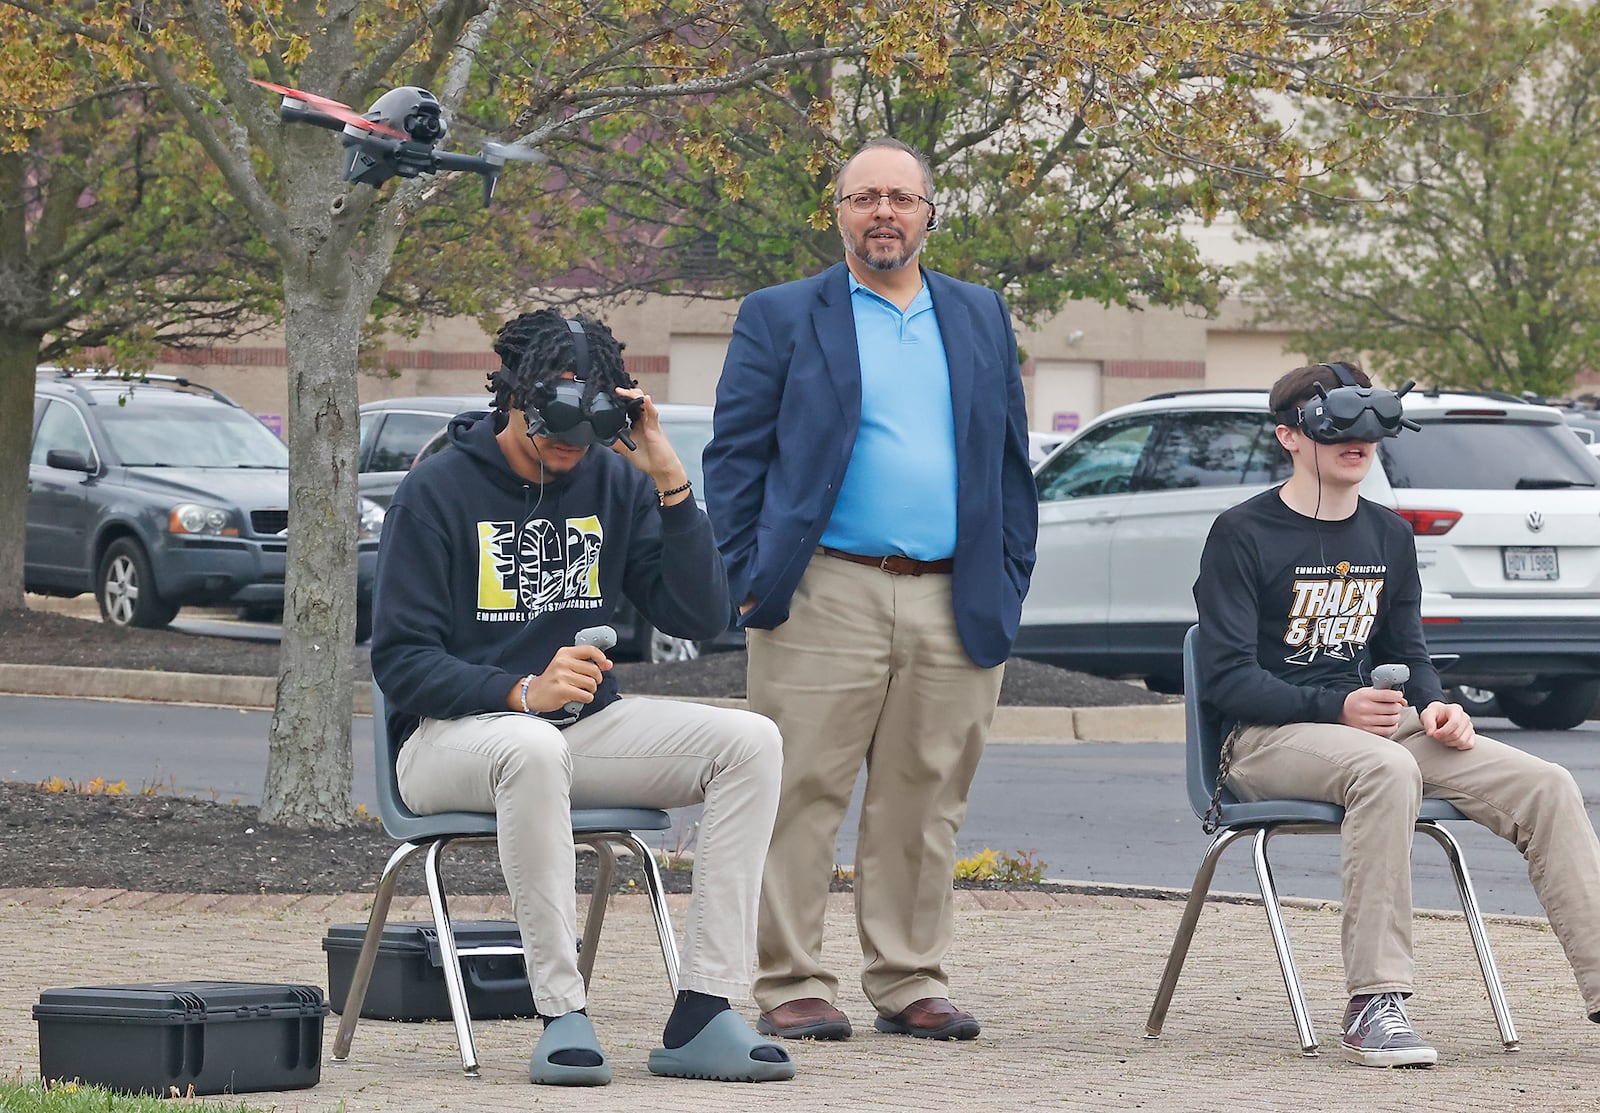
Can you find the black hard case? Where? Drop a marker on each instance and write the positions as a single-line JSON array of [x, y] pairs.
[[218, 1037], [408, 976]]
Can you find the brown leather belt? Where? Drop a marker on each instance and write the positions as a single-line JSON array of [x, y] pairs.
[[896, 565]]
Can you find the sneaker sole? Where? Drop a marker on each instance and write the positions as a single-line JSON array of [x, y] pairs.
[[1415, 1057]]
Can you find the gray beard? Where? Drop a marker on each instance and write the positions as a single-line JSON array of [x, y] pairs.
[[885, 265]]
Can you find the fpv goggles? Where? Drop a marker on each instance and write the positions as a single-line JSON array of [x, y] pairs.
[[562, 413], [1351, 412]]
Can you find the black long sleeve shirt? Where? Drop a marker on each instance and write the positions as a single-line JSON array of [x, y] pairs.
[[1295, 612]]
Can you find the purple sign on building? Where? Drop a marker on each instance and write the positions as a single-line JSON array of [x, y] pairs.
[[1064, 421], [275, 423]]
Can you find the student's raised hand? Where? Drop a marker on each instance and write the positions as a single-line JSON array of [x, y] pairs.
[[1449, 725], [1374, 710]]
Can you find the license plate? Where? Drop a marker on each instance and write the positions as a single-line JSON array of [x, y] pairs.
[[1530, 562]]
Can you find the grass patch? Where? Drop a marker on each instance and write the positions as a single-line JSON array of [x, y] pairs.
[[33, 1096]]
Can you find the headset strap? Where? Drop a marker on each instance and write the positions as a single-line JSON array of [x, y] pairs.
[[580, 342]]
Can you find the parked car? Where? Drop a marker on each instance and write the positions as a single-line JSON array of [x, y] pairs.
[[157, 493], [396, 433], [1503, 500], [1041, 445]]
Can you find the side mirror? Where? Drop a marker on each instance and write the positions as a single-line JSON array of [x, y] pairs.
[[68, 460]]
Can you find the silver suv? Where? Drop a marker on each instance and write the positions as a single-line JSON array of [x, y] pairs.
[[157, 493], [1503, 499]]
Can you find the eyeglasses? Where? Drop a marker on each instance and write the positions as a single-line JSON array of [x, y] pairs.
[[868, 202]]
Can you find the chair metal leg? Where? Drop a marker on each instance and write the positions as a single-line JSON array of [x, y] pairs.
[[658, 904], [450, 962], [1480, 936], [1186, 926], [361, 977], [1280, 941], [595, 920]]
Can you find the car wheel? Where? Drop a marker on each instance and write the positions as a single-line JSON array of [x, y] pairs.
[[363, 623], [1166, 685], [126, 589], [1477, 702], [1553, 704], [259, 612], [661, 649]]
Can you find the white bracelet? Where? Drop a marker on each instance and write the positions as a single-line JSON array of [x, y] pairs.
[[523, 695]]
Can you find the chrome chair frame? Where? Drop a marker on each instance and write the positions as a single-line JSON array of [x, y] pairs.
[[1266, 818], [602, 828]]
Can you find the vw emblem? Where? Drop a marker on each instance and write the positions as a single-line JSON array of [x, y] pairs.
[[1535, 521]]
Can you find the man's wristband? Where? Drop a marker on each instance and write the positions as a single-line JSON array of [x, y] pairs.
[[663, 496], [522, 694]]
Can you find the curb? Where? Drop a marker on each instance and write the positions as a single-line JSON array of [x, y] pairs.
[[1161, 722]]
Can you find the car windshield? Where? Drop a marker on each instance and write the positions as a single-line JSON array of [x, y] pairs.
[[147, 433], [1488, 455]]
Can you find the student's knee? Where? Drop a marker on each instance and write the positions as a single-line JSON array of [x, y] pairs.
[[1552, 786], [530, 750], [1390, 771], [760, 747]]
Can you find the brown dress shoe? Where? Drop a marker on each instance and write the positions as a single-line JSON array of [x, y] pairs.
[[932, 1018], [807, 1018]]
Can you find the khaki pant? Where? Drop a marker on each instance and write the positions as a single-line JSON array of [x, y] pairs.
[[1380, 782], [637, 753], [868, 668]]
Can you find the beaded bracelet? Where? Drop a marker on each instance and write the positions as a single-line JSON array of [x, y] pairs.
[[523, 696], [663, 496]]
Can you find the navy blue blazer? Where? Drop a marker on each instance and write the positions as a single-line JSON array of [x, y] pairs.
[[788, 409]]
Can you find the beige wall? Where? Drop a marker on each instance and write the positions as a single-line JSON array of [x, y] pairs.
[[1084, 360]]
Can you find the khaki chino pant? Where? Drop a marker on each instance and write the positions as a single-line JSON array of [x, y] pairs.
[[869, 669], [1380, 782], [636, 753]]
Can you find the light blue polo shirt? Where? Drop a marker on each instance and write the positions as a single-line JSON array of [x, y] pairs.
[[899, 491]]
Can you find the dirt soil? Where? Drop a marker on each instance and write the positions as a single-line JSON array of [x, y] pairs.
[[166, 843]]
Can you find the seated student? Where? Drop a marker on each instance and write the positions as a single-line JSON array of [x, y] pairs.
[[1303, 590], [495, 554]]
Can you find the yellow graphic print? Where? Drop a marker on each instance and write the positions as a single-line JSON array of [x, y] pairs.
[[583, 557], [1332, 611], [497, 568], [545, 566]]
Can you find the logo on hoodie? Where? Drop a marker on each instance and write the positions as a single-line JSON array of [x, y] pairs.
[[543, 567]]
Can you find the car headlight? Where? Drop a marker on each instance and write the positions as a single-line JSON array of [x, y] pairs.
[[370, 524], [192, 517]]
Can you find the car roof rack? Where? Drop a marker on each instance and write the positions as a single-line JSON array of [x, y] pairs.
[[135, 377], [1205, 390]]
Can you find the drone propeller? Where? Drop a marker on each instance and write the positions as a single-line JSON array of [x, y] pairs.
[[329, 107], [499, 153]]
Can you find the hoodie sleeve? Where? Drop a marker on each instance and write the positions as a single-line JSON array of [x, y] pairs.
[[675, 576], [412, 617], [1227, 595]]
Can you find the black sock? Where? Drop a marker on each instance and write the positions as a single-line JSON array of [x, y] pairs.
[[691, 1013], [572, 1056]]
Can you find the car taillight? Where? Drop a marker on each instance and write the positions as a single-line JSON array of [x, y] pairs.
[[1430, 523]]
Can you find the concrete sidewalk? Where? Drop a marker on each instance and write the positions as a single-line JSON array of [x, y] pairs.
[[1062, 984], [1154, 722]]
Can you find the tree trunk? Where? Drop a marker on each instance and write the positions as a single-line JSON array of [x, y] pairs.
[[19, 354], [309, 770]]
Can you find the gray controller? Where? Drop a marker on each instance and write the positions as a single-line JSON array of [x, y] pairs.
[[602, 638], [1390, 676]]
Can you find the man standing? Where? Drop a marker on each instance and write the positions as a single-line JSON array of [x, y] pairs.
[[1305, 589], [497, 552], [869, 486]]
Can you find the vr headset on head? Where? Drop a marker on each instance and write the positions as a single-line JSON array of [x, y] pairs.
[[558, 409], [1351, 412]]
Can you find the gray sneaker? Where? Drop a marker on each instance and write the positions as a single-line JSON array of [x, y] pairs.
[[1378, 1033]]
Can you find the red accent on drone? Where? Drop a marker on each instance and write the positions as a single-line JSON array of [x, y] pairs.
[[336, 109]]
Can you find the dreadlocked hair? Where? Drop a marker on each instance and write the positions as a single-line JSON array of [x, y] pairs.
[[536, 349]]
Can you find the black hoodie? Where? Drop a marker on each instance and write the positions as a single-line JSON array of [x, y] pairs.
[[483, 575]]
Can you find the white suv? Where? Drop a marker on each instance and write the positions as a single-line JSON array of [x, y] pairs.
[[1503, 499]]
